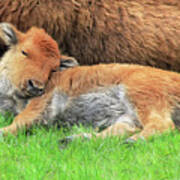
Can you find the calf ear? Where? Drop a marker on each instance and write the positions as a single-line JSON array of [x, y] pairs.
[[67, 62], [7, 37]]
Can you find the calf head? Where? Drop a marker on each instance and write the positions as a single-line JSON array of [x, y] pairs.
[[27, 59]]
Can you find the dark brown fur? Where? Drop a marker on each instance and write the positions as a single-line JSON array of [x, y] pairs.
[[131, 31]]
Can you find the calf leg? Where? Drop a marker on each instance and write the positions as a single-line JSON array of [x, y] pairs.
[[32, 114], [117, 129], [156, 122]]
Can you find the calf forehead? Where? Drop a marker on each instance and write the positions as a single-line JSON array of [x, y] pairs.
[[38, 39]]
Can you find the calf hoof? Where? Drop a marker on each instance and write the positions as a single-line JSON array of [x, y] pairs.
[[65, 141], [129, 141]]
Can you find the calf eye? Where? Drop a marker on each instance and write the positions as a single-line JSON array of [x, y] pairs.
[[24, 53]]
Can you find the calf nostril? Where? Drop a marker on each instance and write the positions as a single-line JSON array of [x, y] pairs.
[[41, 90], [30, 83]]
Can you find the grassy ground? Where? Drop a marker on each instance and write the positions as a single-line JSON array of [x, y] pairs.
[[38, 157]]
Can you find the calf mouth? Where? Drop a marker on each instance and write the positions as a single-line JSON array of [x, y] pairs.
[[31, 92], [28, 94]]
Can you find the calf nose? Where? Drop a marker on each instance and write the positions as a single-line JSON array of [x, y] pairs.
[[35, 88]]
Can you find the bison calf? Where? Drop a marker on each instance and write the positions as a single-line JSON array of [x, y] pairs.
[[116, 98], [132, 31]]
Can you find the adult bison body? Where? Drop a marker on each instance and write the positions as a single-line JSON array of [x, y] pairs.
[[130, 31]]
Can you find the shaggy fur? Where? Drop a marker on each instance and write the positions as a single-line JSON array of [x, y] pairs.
[[120, 98], [130, 31]]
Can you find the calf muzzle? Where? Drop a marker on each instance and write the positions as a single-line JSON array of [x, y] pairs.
[[35, 88]]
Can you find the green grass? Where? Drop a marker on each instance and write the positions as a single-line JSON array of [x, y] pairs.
[[38, 157]]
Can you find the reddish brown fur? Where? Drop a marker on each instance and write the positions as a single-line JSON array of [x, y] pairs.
[[131, 31], [155, 93]]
